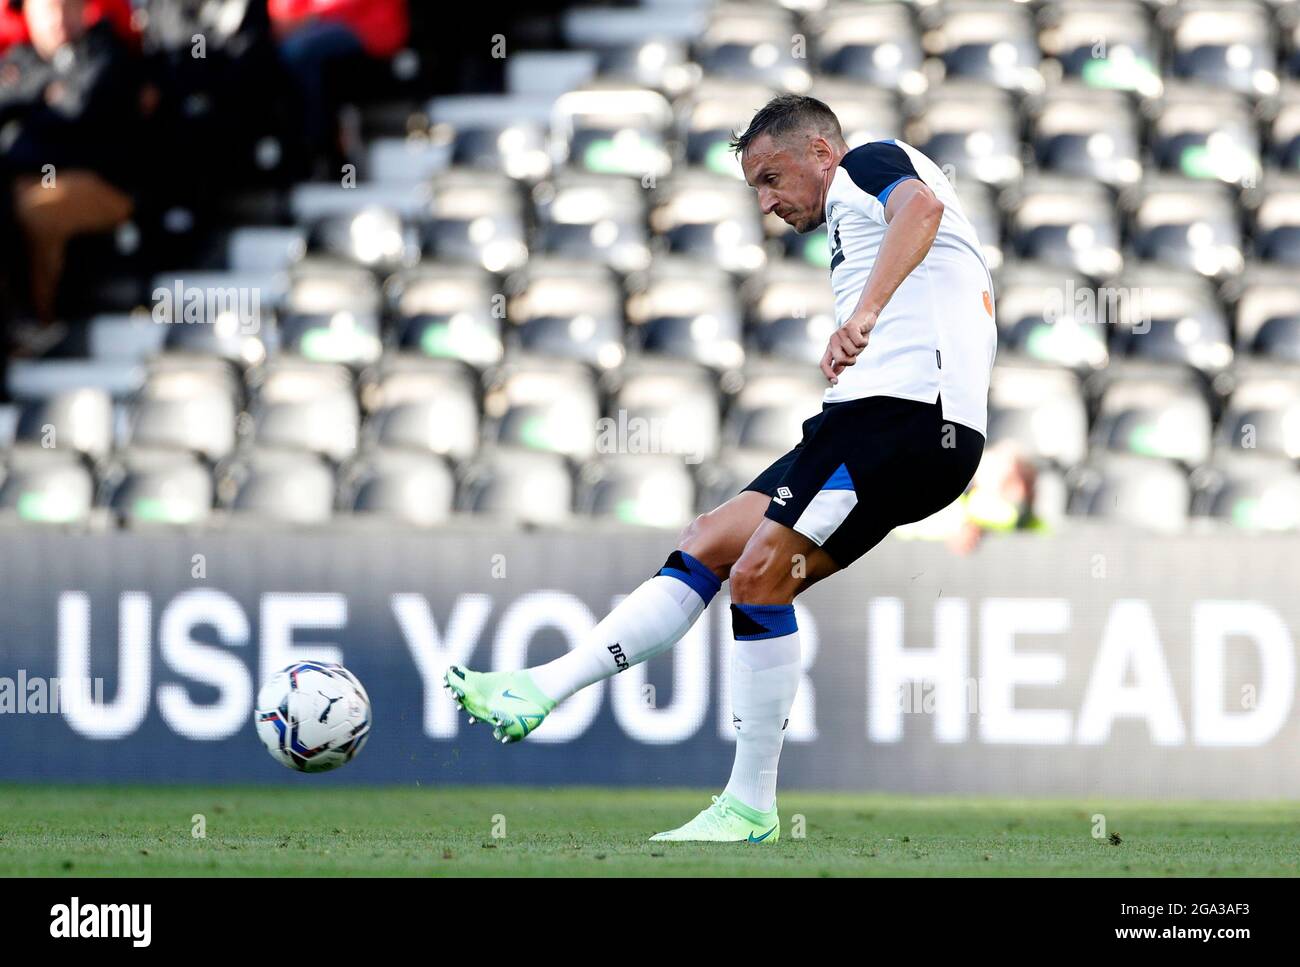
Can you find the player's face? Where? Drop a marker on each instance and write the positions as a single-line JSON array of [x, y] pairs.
[[790, 180]]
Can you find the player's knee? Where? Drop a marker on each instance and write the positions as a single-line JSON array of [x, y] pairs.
[[702, 539], [752, 582]]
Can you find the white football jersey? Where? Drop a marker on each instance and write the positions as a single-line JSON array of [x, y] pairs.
[[936, 338]]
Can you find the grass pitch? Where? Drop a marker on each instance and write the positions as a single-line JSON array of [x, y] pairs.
[[408, 831]]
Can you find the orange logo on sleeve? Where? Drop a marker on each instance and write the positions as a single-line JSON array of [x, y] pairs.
[[988, 303]]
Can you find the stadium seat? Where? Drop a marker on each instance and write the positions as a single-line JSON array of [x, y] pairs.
[[599, 218], [475, 218], [722, 478], [45, 485], [1050, 316], [506, 134], [1207, 133], [689, 311], [146, 486], [1086, 133], [422, 404], [264, 248], [518, 487], [186, 409], [608, 127], [133, 336], [78, 420], [663, 406], [447, 311], [332, 313], [768, 412], [1250, 494], [269, 484], [1132, 491], [1262, 415], [865, 114], [1277, 221], [711, 218], [1106, 44], [399, 486], [1267, 314], [972, 127], [1185, 224], [374, 237], [37, 378], [569, 309], [538, 403], [710, 114], [1154, 417], [1282, 134], [979, 203], [1041, 408], [407, 160], [306, 405], [791, 313], [1065, 222], [639, 44], [985, 41], [1225, 44], [752, 42], [1167, 315], [650, 490], [875, 46]]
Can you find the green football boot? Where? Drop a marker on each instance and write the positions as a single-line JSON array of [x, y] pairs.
[[509, 700], [728, 820]]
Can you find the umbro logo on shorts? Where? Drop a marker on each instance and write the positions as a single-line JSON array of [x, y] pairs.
[[782, 495]]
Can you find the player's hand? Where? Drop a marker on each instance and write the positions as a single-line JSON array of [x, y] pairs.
[[845, 344]]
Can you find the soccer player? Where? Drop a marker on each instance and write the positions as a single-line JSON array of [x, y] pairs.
[[900, 435]]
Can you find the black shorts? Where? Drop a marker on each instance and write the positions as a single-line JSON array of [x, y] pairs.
[[864, 467]]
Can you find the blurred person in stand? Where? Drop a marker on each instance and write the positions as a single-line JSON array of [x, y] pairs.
[[69, 103], [318, 40]]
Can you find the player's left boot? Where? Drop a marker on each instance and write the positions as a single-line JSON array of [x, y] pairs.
[[509, 700], [728, 820]]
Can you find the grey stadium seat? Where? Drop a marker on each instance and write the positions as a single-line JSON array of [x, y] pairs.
[[159, 486], [78, 420], [422, 404], [309, 406], [448, 312], [1141, 492], [284, 486], [688, 311], [543, 404], [520, 487], [651, 490], [45, 485], [662, 406], [401, 486], [188, 410]]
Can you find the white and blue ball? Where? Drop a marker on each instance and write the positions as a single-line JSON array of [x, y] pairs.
[[313, 716]]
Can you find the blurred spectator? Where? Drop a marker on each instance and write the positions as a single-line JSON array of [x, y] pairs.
[[1000, 498], [13, 26], [319, 39], [216, 80], [68, 98]]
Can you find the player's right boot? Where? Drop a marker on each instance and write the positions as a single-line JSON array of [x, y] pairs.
[[509, 700]]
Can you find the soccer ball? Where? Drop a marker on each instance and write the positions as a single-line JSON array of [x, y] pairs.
[[313, 716]]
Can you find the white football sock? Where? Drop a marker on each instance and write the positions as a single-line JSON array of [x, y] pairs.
[[764, 679], [647, 622]]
